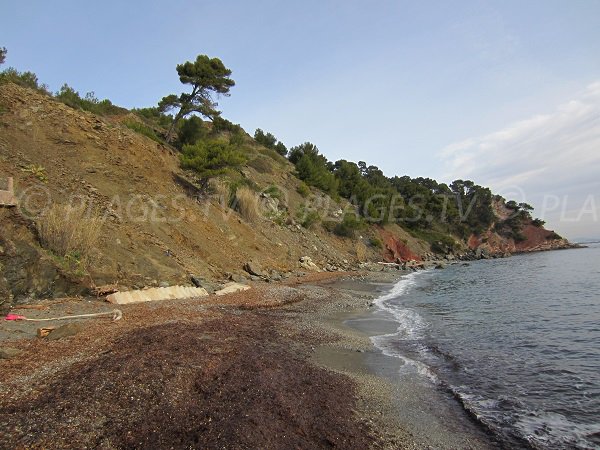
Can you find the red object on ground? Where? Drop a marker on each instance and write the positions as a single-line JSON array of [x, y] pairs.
[[14, 317]]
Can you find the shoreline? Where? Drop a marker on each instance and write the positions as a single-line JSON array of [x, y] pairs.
[[408, 407], [292, 370]]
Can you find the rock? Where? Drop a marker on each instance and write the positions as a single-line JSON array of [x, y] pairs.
[[255, 278], [230, 288], [9, 352], [70, 329], [275, 276], [163, 284], [196, 281], [237, 278], [440, 266], [307, 263], [253, 268]]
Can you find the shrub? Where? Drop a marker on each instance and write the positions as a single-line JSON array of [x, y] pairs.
[[553, 236], [307, 218], [443, 245], [37, 171], [303, 189], [220, 125], [191, 131], [71, 97], [538, 223], [142, 129], [375, 242], [69, 232], [155, 116], [518, 237], [269, 141], [246, 203], [211, 158], [273, 191], [349, 226], [24, 79]]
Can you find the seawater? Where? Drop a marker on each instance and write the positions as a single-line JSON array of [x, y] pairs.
[[516, 342]]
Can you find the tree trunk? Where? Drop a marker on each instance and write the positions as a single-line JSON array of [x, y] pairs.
[[176, 119]]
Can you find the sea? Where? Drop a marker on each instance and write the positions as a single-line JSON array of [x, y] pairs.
[[514, 342]]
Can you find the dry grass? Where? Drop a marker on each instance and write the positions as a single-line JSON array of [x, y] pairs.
[[69, 231], [220, 191], [247, 204]]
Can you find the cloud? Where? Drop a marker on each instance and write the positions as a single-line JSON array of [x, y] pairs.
[[556, 154]]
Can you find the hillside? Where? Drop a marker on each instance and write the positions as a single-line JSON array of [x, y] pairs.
[[160, 226]]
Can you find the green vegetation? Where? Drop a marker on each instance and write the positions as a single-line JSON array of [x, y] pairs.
[[273, 191], [191, 131], [206, 76], [303, 189], [439, 213], [270, 141], [312, 168], [24, 79], [142, 129], [350, 224], [307, 218], [154, 116], [512, 226], [211, 158], [375, 242], [37, 171], [71, 97]]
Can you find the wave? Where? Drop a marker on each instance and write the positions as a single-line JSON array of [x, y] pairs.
[[410, 326]]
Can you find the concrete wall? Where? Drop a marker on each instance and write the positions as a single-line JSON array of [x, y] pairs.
[[7, 198]]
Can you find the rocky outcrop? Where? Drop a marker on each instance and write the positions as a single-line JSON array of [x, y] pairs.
[[396, 250], [535, 239]]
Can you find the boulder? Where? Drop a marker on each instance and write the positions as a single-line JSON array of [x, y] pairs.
[[275, 276], [307, 263], [237, 278], [67, 330], [253, 268]]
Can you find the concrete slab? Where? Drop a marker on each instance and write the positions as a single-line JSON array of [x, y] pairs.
[[156, 294], [232, 287]]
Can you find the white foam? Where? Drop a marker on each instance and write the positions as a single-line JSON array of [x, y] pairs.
[[552, 429], [410, 326]]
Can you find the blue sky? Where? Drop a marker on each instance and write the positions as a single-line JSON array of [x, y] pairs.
[[470, 89]]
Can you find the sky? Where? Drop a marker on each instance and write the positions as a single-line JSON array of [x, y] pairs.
[[506, 93]]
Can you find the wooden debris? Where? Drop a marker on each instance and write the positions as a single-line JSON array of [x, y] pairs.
[[45, 331]]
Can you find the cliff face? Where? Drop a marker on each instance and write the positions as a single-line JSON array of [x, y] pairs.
[[532, 238]]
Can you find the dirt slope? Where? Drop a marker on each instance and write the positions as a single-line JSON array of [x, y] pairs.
[[155, 231]]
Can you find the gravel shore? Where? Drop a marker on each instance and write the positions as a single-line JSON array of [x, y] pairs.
[[274, 367]]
